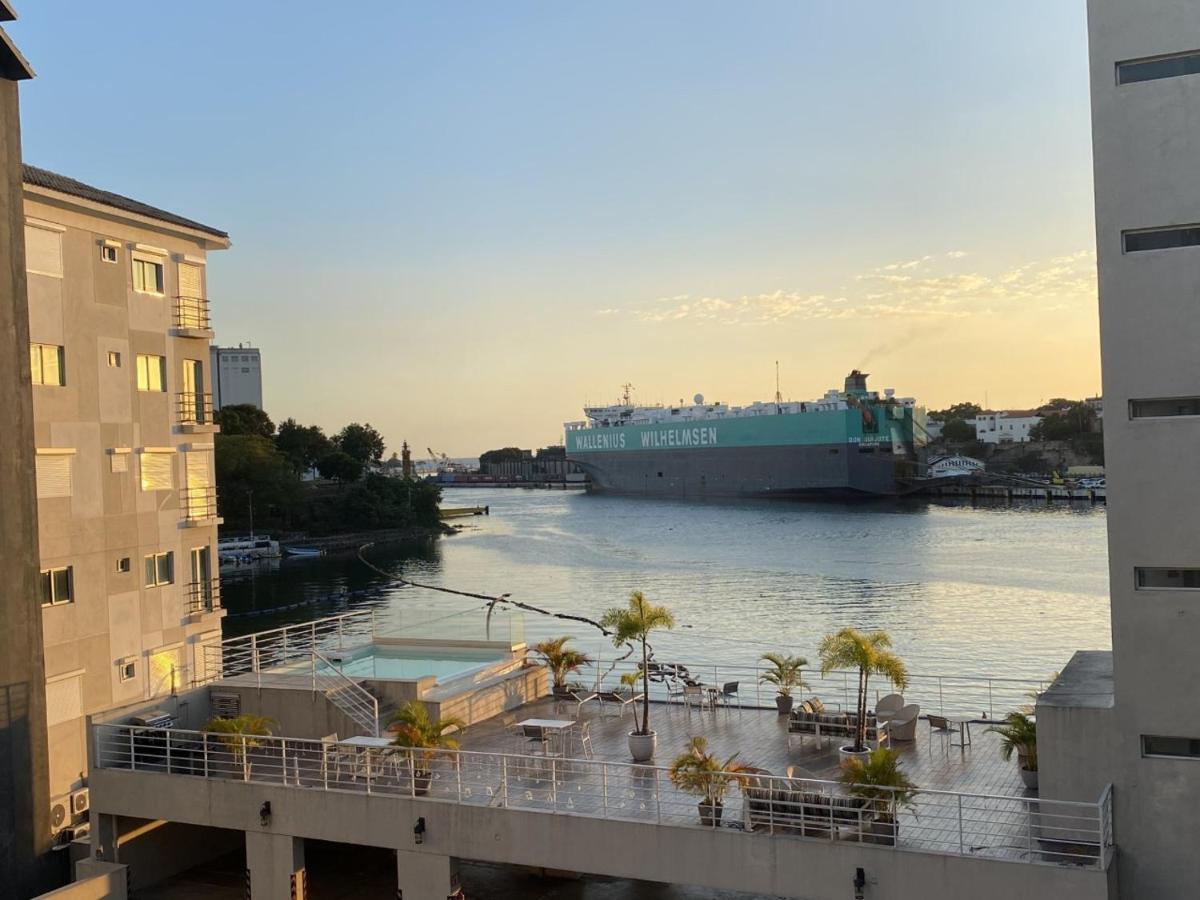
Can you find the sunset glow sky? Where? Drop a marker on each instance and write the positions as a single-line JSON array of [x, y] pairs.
[[462, 221]]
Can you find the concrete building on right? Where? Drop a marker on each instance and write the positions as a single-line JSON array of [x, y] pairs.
[[1132, 718], [237, 376]]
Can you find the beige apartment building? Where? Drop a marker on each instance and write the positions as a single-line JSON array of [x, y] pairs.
[[127, 522]]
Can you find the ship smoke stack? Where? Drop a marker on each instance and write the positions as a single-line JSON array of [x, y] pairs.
[[856, 382]]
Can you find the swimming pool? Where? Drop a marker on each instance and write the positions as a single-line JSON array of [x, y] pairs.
[[410, 663]]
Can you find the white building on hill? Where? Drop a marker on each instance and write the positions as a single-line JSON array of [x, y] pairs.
[[1009, 426]]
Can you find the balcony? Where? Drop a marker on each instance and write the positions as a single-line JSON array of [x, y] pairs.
[[204, 596], [191, 318], [195, 413], [199, 506]]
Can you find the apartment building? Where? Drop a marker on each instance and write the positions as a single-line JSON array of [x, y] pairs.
[[1009, 426], [123, 429], [237, 376]]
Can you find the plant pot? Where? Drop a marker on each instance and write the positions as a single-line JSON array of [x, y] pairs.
[[642, 746], [710, 813], [784, 703], [882, 831], [848, 753], [421, 782], [1029, 777]]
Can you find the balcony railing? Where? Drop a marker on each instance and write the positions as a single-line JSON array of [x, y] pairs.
[[195, 409], [1011, 828], [204, 596], [192, 313], [199, 503]]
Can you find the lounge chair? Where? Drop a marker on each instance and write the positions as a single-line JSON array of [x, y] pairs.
[[888, 706], [902, 725], [811, 718], [620, 699], [566, 698]]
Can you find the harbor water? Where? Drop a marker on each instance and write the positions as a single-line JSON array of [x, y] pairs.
[[1000, 590]]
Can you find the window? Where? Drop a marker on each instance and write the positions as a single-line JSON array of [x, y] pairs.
[[1135, 70], [1158, 579], [151, 372], [46, 364], [123, 565], [157, 471], [1166, 406], [147, 276], [108, 253], [1161, 238], [118, 461], [114, 359], [53, 475], [1178, 747], [43, 251], [160, 569], [57, 586], [128, 667]]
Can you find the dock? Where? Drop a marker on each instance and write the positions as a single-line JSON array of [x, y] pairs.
[[1048, 493], [460, 512]]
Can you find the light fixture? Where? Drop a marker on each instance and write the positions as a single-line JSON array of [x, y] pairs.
[[264, 813], [860, 883], [419, 831]]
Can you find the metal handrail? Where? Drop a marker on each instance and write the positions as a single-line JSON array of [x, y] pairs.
[[954, 823], [194, 408], [345, 693], [204, 596], [199, 503], [192, 312]]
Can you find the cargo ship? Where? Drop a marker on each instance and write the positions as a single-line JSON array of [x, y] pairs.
[[850, 443]]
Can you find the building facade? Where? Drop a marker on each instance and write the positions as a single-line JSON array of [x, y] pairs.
[[1010, 426], [118, 353], [237, 376]]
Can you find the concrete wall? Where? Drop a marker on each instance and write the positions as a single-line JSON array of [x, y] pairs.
[[719, 859], [1146, 140], [89, 307], [24, 797], [157, 850], [94, 880], [300, 713]]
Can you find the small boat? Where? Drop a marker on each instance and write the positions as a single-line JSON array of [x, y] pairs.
[[303, 551]]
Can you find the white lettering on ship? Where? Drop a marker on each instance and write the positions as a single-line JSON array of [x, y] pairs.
[[679, 437], [600, 441]]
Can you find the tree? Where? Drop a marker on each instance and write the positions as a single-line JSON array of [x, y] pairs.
[[880, 780], [422, 738], [251, 470], [340, 467], [244, 418], [957, 411], [495, 456], [561, 660], [958, 431], [634, 623], [362, 442], [870, 655], [699, 772], [785, 672], [1073, 420], [378, 502], [304, 445]]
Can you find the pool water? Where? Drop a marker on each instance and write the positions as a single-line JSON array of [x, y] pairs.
[[404, 664]]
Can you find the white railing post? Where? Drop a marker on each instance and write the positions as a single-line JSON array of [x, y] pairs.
[[339, 629], [369, 754], [553, 784], [204, 739], [245, 761], [132, 752], [254, 657], [657, 799], [412, 774], [961, 846], [991, 709], [1029, 830], [604, 788], [941, 701], [504, 780]]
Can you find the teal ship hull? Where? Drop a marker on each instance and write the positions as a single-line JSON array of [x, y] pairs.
[[870, 451]]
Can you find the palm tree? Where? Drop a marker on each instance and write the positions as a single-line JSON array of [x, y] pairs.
[[785, 674], [870, 655], [699, 772], [1019, 733], [423, 737], [634, 623], [879, 779], [239, 734], [560, 660]]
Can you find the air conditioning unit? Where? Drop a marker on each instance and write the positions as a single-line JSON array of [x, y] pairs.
[[58, 817], [79, 802], [225, 706], [81, 832]]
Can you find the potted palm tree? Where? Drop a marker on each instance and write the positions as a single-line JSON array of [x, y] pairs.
[[422, 738], [871, 655], [560, 660], [785, 674], [1019, 733], [240, 734], [878, 779], [698, 772], [634, 623]]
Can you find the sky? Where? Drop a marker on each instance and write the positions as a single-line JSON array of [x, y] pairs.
[[460, 222]]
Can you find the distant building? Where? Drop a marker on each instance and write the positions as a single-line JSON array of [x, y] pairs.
[[1010, 426], [548, 464], [237, 376], [933, 429], [945, 466]]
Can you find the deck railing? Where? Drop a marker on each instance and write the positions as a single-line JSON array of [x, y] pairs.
[[1019, 829], [204, 596], [194, 408], [983, 696], [346, 694], [192, 313]]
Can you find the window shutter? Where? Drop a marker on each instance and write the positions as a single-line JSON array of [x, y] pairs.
[[197, 469], [119, 462], [157, 471], [43, 251], [190, 281], [53, 475]]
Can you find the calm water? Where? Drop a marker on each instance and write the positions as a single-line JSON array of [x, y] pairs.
[[985, 590]]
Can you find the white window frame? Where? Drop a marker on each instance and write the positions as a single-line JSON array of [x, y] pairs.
[[127, 669], [169, 556], [138, 256], [124, 565], [54, 600], [110, 252], [43, 225], [145, 358], [114, 359], [38, 375]]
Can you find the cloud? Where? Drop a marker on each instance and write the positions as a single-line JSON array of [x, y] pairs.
[[918, 288]]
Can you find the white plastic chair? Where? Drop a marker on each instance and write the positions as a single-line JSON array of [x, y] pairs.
[[888, 706], [902, 726]]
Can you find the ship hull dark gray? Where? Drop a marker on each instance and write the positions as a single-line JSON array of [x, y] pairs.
[[816, 470]]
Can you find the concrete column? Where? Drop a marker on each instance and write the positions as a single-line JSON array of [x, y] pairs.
[[425, 876], [104, 838], [275, 863]]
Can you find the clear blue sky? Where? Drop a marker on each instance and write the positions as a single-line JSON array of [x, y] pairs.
[[459, 221]]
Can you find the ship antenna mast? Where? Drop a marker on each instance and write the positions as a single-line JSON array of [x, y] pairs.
[[778, 395], [628, 395]]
